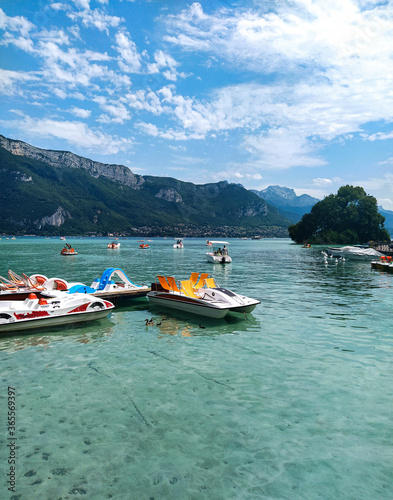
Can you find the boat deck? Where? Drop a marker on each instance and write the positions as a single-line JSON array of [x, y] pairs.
[[122, 295]]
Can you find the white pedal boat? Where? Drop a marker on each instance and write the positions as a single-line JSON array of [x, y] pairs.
[[208, 300], [34, 312]]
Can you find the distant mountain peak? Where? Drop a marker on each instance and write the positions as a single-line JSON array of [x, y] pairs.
[[280, 196]]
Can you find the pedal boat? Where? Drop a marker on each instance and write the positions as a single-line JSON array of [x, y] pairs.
[[219, 253], [34, 312], [199, 295], [107, 285], [114, 245], [68, 250]]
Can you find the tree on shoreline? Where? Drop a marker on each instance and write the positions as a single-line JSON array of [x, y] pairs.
[[351, 216]]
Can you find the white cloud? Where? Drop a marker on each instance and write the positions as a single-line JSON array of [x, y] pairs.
[[80, 113], [116, 111], [129, 60], [18, 23], [330, 64], [94, 18], [10, 80], [75, 133], [162, 61], [322, 182], [379, 136]]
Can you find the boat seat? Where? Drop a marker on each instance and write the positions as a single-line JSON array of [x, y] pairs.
[[188, 289], [210, 283], [172, 283], [194, 278], [201, 280], [163, 282]]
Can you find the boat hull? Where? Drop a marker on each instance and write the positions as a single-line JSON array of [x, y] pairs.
[[218, 259], [44, 322], [186, 304]]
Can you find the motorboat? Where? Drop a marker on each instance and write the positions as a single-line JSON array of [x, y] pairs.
[[113, 280], [34, 312], [179, 243], [68, 250], [219, 253], [114, 245], [384, 263], [144, 245], [191, 296], [354, 253]]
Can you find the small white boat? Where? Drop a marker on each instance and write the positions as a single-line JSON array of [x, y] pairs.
[[179, 243], [219, 253], [208, 300], [34, 312]]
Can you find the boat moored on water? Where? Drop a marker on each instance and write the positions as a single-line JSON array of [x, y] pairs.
[[364, 253], [113, 282], [34, 312], [114, 245], [179, 243], [199, 295], [68, 250], [219, 253], [384, 263]]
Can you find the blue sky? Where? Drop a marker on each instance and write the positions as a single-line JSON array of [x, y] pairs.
[[291, 93]]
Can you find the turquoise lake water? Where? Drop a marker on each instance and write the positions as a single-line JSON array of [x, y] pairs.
[[293, 401]]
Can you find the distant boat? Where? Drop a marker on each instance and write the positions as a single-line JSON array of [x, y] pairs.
[[219, 253], [114, 245], [179, 243], [68, 250]]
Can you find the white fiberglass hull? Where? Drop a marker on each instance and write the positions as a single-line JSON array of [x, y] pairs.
[[40, 313], [218, 259], [65, 319], [188, 304]]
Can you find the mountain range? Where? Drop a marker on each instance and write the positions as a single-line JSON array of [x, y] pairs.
[[48, 192], [290, 205]]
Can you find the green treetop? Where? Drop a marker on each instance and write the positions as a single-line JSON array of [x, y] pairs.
[[350, 216]]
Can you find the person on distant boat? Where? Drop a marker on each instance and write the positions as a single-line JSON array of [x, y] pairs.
[[225, 250], [219, 252]]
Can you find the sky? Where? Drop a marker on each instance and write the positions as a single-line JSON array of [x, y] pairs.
[[294, 93]]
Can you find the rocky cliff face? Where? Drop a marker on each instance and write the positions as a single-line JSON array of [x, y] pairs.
[[117, 173], [56, 219], [169, 195]]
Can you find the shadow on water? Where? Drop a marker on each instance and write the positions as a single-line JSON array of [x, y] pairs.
[[186, 325], [78, 332]]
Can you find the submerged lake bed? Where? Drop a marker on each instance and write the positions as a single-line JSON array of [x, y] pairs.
[[292, 401]]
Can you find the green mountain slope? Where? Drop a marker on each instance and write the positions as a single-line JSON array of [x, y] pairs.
[[40, 198]]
